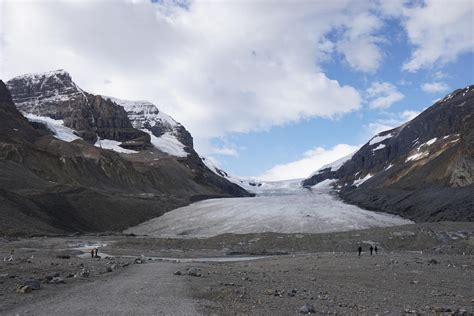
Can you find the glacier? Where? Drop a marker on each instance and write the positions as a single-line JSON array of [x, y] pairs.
[[282, 207]]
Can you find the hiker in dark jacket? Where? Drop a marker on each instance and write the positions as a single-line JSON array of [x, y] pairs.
[[371, 249], [375, 249], [360, 250], [92, 253]]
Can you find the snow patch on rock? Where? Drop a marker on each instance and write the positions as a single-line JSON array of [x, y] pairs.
[[113, 145], [55, 126], [167, 143], [362, 180], [380, 146], [379, 138], [145, 116]]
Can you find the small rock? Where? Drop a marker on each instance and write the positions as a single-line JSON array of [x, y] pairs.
[[33, 284], [194, 272], [57, 280], [49, 277], [433, 261], [178, 273], [307, 309], [84, 273], [63, 256], [139, 261], [24, 289], [109, 269], [410, 311]]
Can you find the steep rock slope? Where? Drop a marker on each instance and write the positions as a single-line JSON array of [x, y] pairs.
[[423, 170], [48, 185]]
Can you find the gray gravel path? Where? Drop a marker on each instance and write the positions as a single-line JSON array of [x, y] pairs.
[[146, 289]]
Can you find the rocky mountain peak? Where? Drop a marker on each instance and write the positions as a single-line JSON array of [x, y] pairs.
[[55, 95], [167, 134], [31, 89]]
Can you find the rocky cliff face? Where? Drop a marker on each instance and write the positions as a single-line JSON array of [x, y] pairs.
[[55, 95], [406, 169]]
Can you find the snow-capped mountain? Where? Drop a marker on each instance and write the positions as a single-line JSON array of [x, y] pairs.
[[52, 98], [423, 169], [54, 95], [166, 134]]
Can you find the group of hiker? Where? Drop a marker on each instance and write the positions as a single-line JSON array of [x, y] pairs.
[[95, 252], [371, 249]]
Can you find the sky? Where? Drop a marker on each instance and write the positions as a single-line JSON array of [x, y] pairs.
[[268, 89]]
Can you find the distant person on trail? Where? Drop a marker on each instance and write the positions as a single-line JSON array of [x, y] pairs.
[[375, 249], [96, 252], [92, 253], [360, 250], [371, 249]]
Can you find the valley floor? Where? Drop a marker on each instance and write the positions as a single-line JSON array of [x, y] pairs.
[[420, 268]]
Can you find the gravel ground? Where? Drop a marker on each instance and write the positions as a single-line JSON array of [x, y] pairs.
[[388, 283], [420, 268]]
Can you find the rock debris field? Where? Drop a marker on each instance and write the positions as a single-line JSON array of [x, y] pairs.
[[420, 268]]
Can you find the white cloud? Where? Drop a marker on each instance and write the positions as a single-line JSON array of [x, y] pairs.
[[440, 30], [382, 95], [391, 121], [406, 116], [433, 87], [359, 44], [438, 75], [312, 160], [217, 67]]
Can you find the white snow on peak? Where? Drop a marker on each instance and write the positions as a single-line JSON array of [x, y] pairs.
[[55, 126], [144, 115], [360, 181], [168, 143], [113, 145], [141, 112], [36, 77], [379, 138], [36, 81]]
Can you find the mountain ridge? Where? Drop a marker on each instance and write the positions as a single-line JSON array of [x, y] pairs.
[[422, 170]]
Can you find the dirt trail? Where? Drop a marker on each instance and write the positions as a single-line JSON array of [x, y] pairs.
[[150, 289]]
